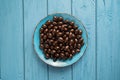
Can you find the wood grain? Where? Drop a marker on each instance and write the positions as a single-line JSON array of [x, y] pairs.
[[61, 6], [85, 68], [11, 40], [34, 11], [108, 41]]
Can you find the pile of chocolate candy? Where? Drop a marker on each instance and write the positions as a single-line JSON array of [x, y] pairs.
[[60, 39]]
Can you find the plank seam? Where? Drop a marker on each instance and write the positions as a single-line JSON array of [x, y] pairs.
[[23, 40], [47, 64], [0, 64], [71, 65], [96, 39]]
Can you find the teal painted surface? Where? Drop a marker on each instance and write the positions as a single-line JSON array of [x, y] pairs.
[[18, 19], [11, 36], [34, 10], [108, 40], [85, 67]]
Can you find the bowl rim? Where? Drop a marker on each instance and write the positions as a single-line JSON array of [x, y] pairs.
[[65, 14]]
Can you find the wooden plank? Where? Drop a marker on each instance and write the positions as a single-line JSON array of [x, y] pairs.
[[61, 6], [34, 11], [0, 54], [11, 43], [84, 69], [108, 41]]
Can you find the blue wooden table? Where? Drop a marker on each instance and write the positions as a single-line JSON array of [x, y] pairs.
[[18, 19]]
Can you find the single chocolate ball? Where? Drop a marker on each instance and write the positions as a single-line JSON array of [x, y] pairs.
[[66, 48], [41, 46], [59, 34], [49, 50], [76, 40], [45, 50], [67, 33], [44, 26], [66, 21], [75, 27], [48, 22], [57, 47], [41, 35], [56, 55], [54, 23], [66, 54], [80, 32], [44, 37], [62, 55], [49, 35], [70, 56], [47, 56], [60, 39], [77, 50], [55, 27], [78, 45], [73, 52], [72, 30], [50, 26], [71, 23], [55, 18], [60, 23], [53, 51], [41, 30], [70, 27], [76, 31], [60, 19], [46, 30], [46, 46], [41, 41]]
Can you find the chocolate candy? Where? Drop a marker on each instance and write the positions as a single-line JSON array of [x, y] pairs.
[[54, 23], [71, 23], [44, 26], [77, 50], [66, 21], [44, 37], [66, 54], [47, 56], [41, 35], [60, 23], [70, 56], [49, 35], [48, 22], [60, 19], [72, 30], [80, 32], [56, 55], [41, 46], [75, 27], [62, 55], [41, 30], [55, 18], [60, 39], [59, 34], [46, 30], [50, 26]]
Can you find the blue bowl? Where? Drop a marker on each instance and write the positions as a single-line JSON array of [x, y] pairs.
[[59, 63]]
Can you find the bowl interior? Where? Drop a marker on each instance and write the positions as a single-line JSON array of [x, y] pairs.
[[59, 63]]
